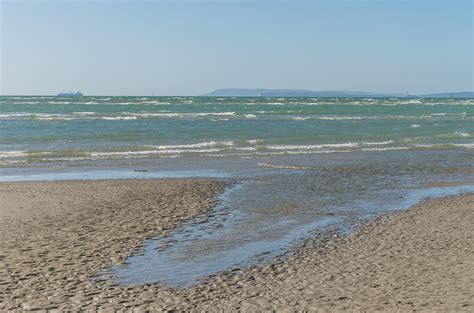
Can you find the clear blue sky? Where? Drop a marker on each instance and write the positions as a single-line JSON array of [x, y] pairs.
[[192, 47]]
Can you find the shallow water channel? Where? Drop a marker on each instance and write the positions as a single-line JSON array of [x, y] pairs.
[[259, 217]]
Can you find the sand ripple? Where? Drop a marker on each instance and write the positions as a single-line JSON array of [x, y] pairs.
[[57, 236]]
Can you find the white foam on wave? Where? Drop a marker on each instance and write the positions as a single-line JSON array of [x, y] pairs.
[[415, 126], [285, 167], [39, 116], [245, 148], [299, 118], [250, 116], [194, 145], [455, 134], [336, 118], [411, 101], [17, 114], [59, 102], [253, 141], [56, 118], [311, 147], [84, 113], [181, 114], [377, 143], [330, 145], [461, 134], [465, 145], [151, 152], [13, 154], [115, 118], [309, 103], [150, 102], [385, 149], [446, 145], [29, 102]]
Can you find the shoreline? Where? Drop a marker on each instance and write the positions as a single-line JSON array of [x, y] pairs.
[[62, 233]]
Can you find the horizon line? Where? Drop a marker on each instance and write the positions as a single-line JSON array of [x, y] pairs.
[[379, 95]]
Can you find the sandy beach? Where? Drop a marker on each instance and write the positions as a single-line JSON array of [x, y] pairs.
[[57, 236]]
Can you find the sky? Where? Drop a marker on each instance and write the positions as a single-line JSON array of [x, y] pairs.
[[193, 47]]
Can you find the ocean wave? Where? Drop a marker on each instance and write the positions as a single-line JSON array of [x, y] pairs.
[[13, 154], [84, 113], [456, 134], [194, 145], [299, 118], [253, 141], [377, 143], [465, 145], [287, 167], [148, 152], [28, 102], [8, 115], [411, 101], [311, 147], [215, 116], [336, 118], [461, 134], [329, 145], [55, 118], [115, 118], [181, 114], [385, 149], [59, 102], [37, 116], [217, 149]]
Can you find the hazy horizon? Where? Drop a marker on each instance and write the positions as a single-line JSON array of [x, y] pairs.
[[188, 48], [389, 94]]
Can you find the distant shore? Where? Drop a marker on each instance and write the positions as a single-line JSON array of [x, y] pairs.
[[57, 236]]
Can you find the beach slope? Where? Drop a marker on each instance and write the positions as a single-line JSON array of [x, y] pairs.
[[57, 236]]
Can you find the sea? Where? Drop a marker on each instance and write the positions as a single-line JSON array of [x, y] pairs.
[[293, 165]]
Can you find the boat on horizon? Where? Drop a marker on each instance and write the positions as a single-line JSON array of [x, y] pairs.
[[70, 94]]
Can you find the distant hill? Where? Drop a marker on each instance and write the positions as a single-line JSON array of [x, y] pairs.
[[296, 93], [465, 94]]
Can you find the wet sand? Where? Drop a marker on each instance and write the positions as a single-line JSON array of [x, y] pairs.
[[57, 236]]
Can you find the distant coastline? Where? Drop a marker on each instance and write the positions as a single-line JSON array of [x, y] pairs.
[[236, 92], [276, 93]]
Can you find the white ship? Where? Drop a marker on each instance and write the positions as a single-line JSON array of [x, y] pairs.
[[70, 94]]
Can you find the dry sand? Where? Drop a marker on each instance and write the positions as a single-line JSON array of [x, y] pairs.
[[57, 236]]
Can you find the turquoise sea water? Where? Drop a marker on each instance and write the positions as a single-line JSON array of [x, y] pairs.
[[53, 131], [292, 164]]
